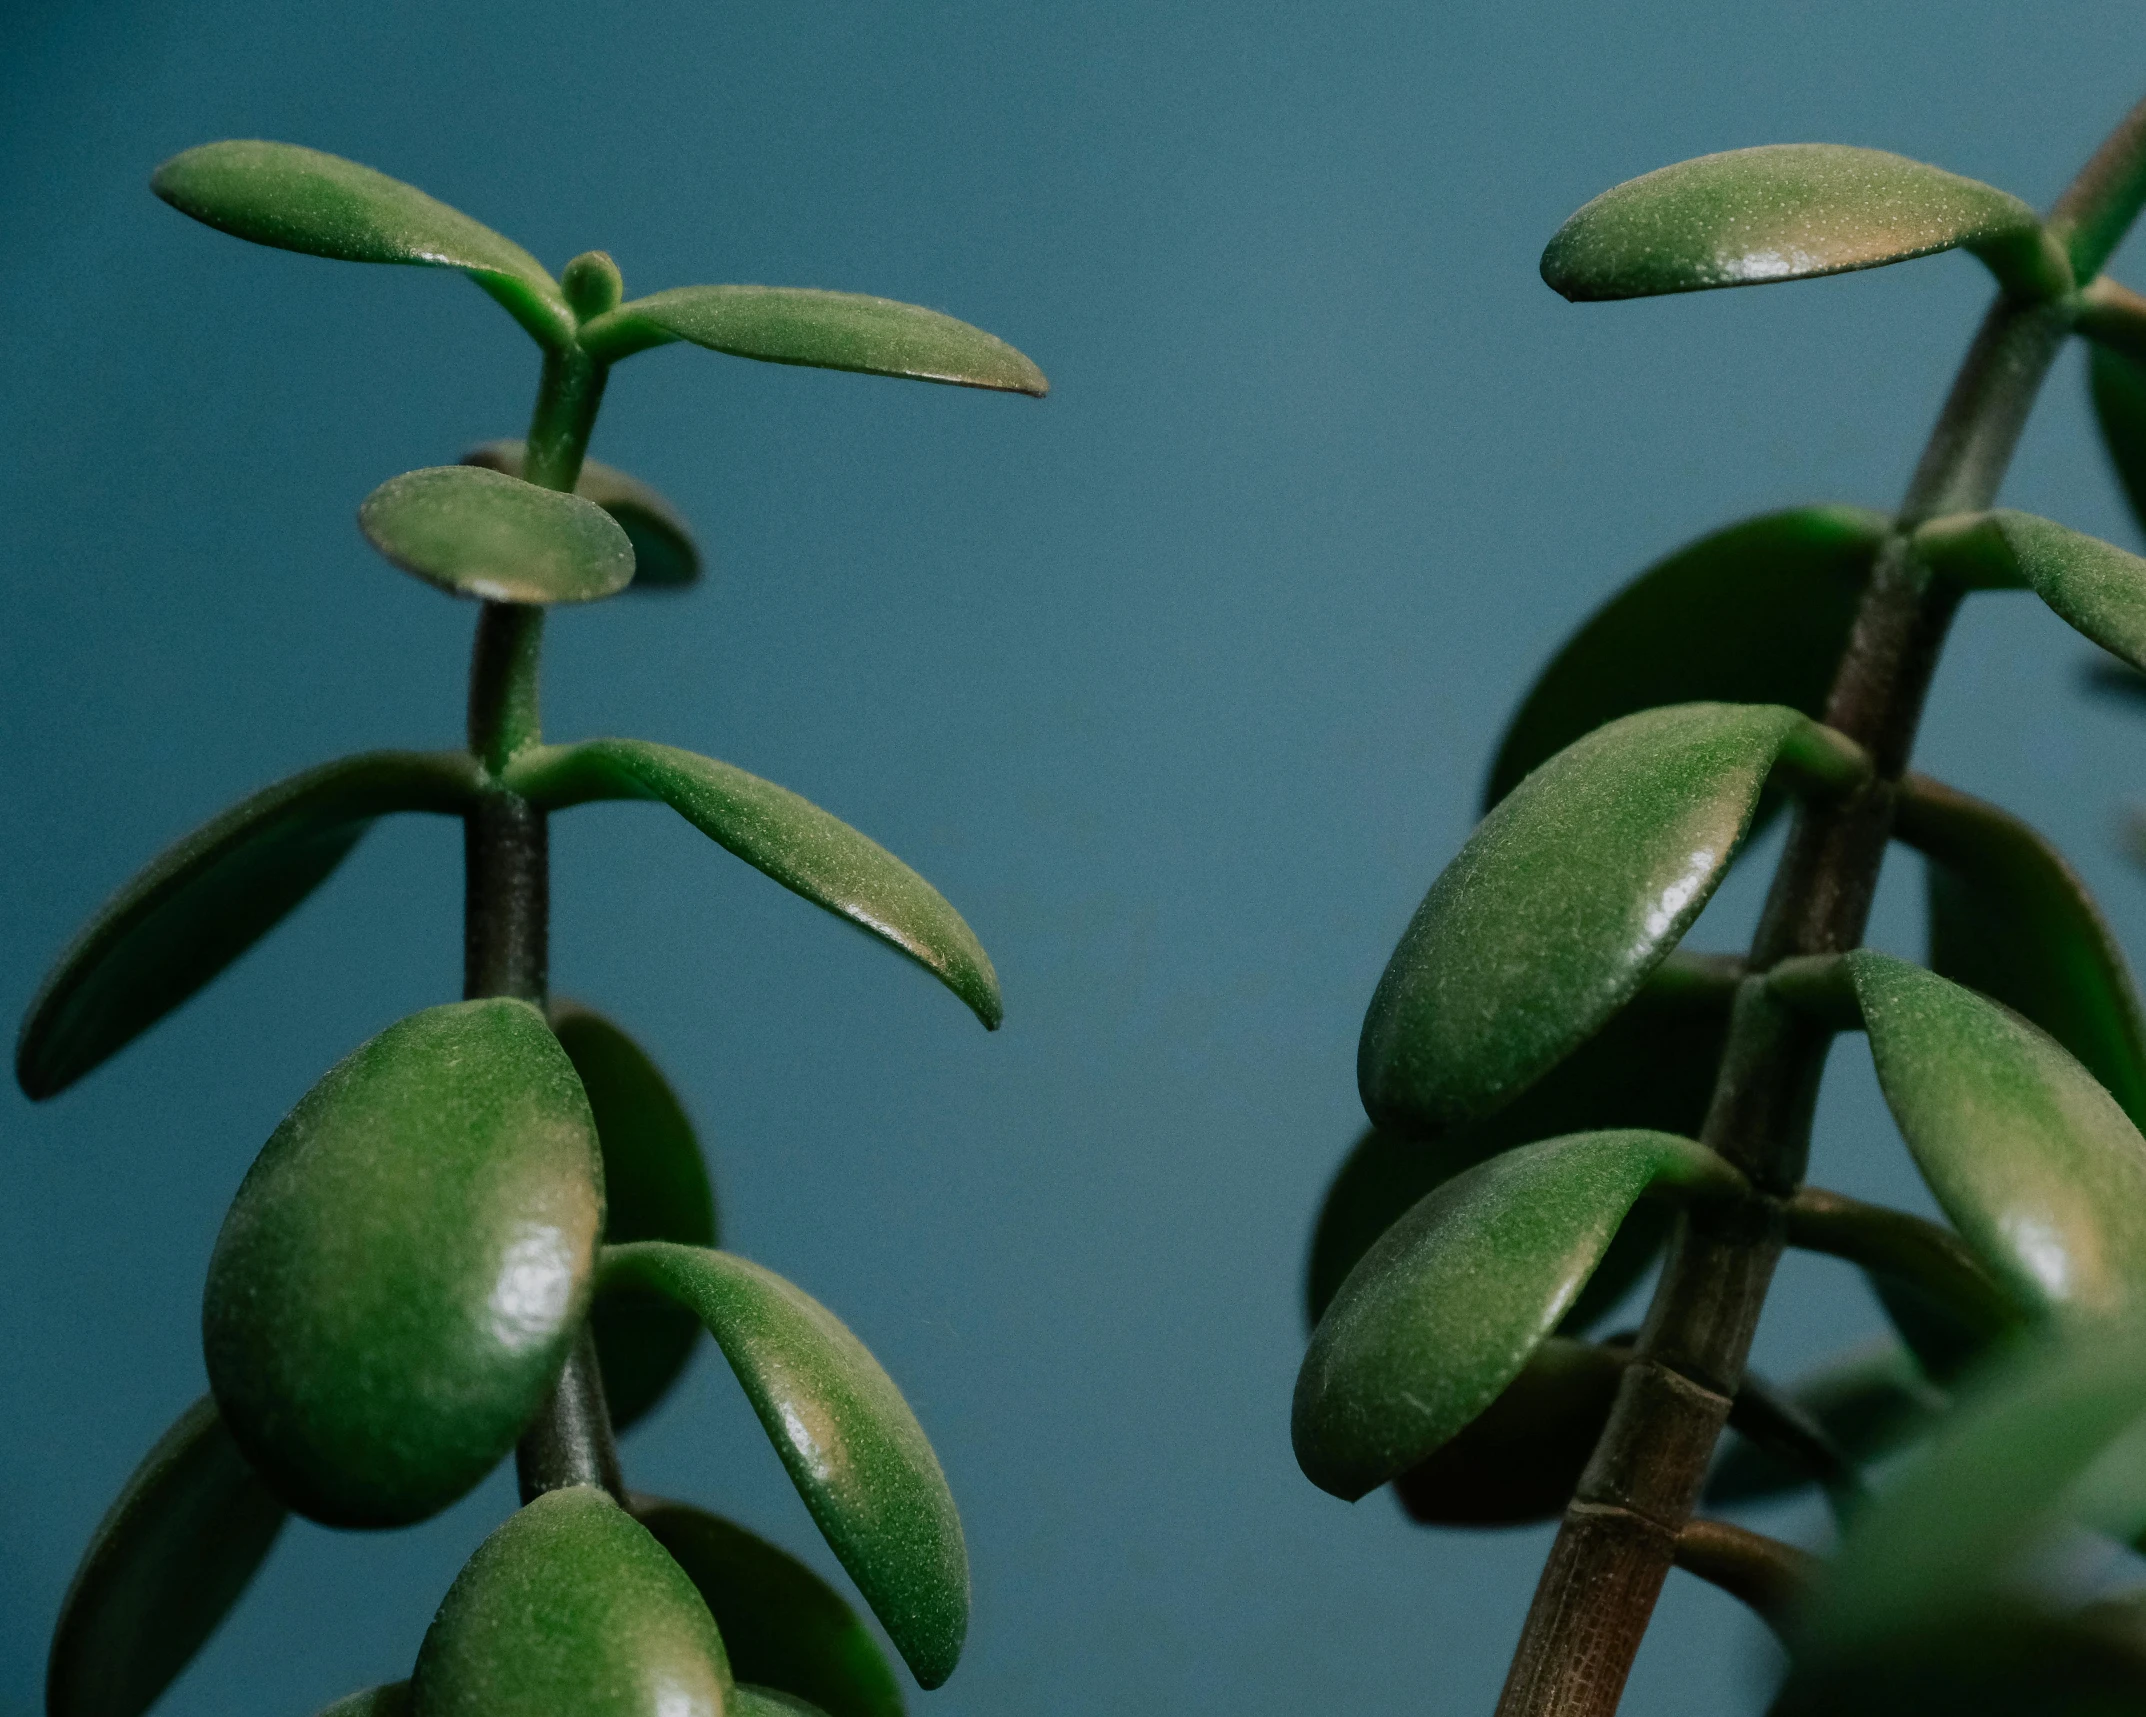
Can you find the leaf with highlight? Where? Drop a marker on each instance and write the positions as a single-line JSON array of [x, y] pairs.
[[665, 557]]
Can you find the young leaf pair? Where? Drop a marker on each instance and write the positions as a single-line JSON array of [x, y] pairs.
[[419, 1256]]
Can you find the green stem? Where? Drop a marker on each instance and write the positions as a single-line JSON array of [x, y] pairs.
[[1620, 1536], [507, 908]]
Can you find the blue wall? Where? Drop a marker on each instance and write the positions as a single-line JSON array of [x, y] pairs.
[[1180, 684]]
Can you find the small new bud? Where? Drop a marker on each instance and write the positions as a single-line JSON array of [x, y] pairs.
[[592, 284]]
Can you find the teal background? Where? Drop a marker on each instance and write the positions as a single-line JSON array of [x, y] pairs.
[[1180, 684]]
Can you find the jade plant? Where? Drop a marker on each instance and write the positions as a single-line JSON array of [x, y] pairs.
[[490, 1229], [1562, 1096]]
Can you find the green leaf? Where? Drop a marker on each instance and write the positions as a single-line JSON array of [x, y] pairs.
[[826, 330], [2118, 386], [299, 199], [2039, 1170], [1567, 895], [655, 1188], [2093, 586], [2010, 918], [1792, 211], [392, 1700], [1869, 1402], [1756, 613], [1652, 1066], [850, 1443], [405, 1267], [786, 1628], [572, 1606], [782, 836], [749, 1701], [203, 902], [169, 1558], [665, 556], [1442, 1314], [1520, 1460], [478, 533]]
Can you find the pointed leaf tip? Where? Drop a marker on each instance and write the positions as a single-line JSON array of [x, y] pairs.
[[1791, 211]]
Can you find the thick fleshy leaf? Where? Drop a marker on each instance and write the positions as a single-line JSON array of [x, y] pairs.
[[826, 330], [747, 1700], [1566, 897], [1444, 1311], [781, 835], [851, 1445], [785, 1627], [203, 902], [2010, 918], [404, 1269], [571, 1606], [1521, 1458], [1791, 211], [392, 1700], [1756, 613], [479, 533], [665, 557], [170, 1557], [2039, 1170], [2118, 386], [656, 1187], [1869, 1403], [300, 199], [1652, 1066], [2094, 586]]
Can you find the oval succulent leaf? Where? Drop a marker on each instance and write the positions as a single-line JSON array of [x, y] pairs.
[[1652, 1066], [1565, 898], [204, 901], [665, 557], [2094, 586], [1869, 1403], [786, 1628], [1520, 1460], [782, 836], [403, 1271], [169, 1559], [1444, 1311], [572, 1605], [2118, 386], [655, 1188], [2040, 1171], [479, 533], [1791, 211], [291, 198], [2009, 917], [848, 1439], [826, 330], [1756, 613]]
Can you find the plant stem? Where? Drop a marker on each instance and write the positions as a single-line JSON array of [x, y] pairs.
[[1620, 1534], [507, 905]]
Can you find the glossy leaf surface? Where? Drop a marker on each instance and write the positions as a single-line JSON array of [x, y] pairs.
[[2039, 1170], [1444, 1311], [300, 199], [479, 533], [571, 1606], [169, 1559], [2118, 387], [782, 836], [656, 1187], [402, 1273], [1564, 899], [2093, 586], [1756, 613], [2009, 917], [204, 901], [1869, 1402], [1790, 211], [848, 1439], [785, 1627], [1520, 1460], [665, 557], [826, 330]]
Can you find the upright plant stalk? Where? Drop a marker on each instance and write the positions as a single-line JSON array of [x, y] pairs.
[[1619, 1536]]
